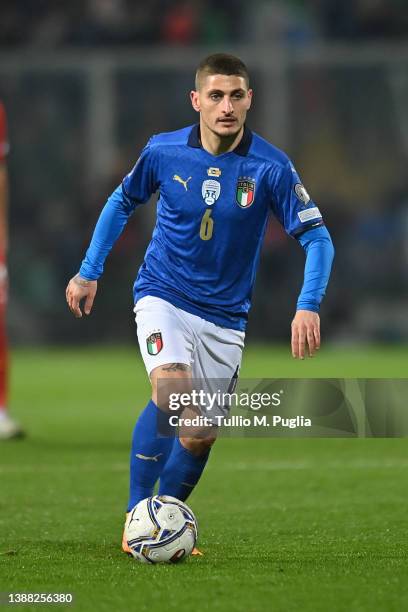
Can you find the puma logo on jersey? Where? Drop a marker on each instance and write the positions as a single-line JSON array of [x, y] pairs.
[[154, 458], [177, 178]]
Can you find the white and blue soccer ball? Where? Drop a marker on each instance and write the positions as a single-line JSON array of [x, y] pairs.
[[161, 529]]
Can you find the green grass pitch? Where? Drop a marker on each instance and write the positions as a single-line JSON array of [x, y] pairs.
[[285, 524]]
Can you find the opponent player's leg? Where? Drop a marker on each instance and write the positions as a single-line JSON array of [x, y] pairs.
[[8, 427], [217, 357], [166, 351]]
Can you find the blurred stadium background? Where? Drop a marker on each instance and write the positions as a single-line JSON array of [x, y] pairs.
[[86, 83]]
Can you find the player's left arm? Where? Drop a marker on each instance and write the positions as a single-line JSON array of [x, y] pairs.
[[302, 220], [318, 246]]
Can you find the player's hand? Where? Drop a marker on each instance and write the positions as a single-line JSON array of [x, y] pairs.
[[305, 333], [78, 289]]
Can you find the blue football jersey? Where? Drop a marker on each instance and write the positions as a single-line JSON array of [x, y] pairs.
[[212, 214]]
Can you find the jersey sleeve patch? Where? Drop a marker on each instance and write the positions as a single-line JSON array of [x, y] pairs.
[[291, 203], [301, 193], [309, 214]]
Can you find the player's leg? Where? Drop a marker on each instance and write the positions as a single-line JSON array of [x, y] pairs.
[[185, 466], [166, 350], [217, 358], [150, 446], [8, 427]]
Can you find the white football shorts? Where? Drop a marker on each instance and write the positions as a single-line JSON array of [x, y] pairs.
[[168, 334]]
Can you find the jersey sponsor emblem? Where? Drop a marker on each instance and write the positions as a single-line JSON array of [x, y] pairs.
[[214, 172], [309, 214], [154, 343], [245, 192], [210, 191], [178, 178], [301, 193]]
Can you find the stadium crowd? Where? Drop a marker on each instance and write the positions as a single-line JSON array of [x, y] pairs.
[[56, 23]]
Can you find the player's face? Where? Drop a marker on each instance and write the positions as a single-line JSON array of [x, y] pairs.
[[223, 102]]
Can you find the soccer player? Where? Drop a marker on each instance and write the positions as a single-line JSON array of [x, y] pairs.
[[8, 427], [218, 183]]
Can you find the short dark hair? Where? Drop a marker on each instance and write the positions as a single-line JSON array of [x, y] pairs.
[[222, 63]]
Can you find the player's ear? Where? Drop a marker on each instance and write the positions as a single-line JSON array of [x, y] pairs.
[[195, 100], [250, 92]]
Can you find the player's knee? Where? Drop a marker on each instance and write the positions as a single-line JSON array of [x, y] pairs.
[[172, 397], [198, 446]]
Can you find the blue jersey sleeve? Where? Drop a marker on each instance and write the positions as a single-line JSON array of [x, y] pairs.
[[291, 203], [111, 222], [136, 188], [319, 250], [142, 181]]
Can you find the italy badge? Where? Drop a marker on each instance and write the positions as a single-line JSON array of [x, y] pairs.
[[245, 192], [154, 343]]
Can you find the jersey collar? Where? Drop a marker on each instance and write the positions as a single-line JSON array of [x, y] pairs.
[[241, 149]]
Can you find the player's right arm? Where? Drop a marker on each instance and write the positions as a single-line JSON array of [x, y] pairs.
[[136, 188]]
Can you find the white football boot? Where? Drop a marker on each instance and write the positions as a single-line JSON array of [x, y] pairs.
[[9, 429]]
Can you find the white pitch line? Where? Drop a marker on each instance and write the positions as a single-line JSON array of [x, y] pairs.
[[309, 465], [45, 468], [227, 467]]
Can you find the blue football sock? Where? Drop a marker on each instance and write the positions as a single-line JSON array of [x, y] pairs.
[[148, 455], [181, 472]]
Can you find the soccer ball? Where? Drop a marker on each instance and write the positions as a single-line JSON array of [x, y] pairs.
[[161, 529]]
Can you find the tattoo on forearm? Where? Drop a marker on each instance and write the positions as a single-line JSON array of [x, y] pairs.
[[82, 282], [176, 367]]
